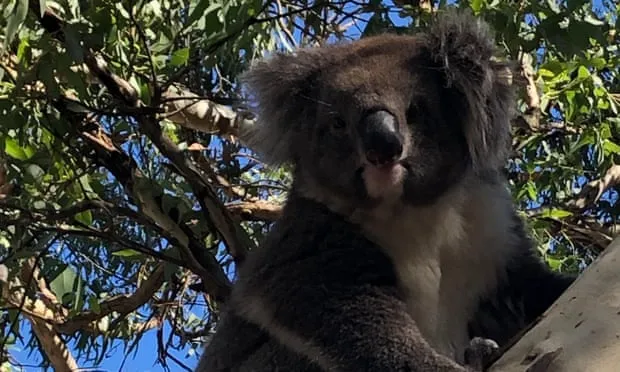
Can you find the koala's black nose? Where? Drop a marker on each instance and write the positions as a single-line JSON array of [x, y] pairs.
[[382, 142]]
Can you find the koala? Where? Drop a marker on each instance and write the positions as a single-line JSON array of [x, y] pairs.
[[399, 242]]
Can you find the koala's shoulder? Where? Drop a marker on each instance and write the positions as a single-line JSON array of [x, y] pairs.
[[310, 244]]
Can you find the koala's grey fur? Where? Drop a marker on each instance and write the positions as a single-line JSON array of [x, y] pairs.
[[359, 274]]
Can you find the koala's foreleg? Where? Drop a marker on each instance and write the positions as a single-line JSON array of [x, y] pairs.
[[349, 329]]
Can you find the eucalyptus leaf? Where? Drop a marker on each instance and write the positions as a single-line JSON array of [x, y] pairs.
[[180, 57], [126, 253], [15, 20], [13, 149], [64, 283]]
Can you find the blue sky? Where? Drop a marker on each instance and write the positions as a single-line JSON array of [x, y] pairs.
[[144, 358]]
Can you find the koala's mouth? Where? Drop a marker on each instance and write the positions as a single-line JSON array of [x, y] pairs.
[[381, 181]]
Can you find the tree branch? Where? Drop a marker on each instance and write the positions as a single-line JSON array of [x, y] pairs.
[[192, 111], [52, 316], [235, 238], [139, 188], [256, 210], [579, 332], [52, 344], [593, 190], [122, 304]]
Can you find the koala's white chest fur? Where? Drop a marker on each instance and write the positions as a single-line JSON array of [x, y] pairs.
[[447, 255]]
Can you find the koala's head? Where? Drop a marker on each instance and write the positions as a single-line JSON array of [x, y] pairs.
[[408, 113]]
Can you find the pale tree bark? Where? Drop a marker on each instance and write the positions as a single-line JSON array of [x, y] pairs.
[[50, 319], [191, 111], [50, 340], [592, 191], [54, 347], [581, 331]]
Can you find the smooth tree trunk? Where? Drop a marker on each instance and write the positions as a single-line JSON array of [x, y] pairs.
[[581, 331]]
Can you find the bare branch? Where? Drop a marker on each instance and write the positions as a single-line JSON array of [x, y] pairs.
[[256, 210], [52, 344], [52, 316], [592, 191], [530, 119], [194, 112]]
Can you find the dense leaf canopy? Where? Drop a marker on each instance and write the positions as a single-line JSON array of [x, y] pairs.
[[127, 199]]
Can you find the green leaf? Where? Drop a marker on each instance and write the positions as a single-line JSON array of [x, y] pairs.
[[126, 253], [14, 22], [122, 11], [133, 81], [602, 104], [203, 8], [64, 283], [600, 92], [163, 43], [77, 82], [570, 98], [35, 172], [593, 21], [145, 93], [14, 150], [543, 72], [554, 263], [531, 190], [179, 57], [42, 7], [556, 213], [598, 63], [476, 6], [94, 305], [85, 217], [553, 5], [4, 242], [29, 151], [85, 183], [583, 73], [24, 43], [554, 66], [610, 147]]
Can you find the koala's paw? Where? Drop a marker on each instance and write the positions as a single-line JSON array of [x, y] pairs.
[[480, 352]]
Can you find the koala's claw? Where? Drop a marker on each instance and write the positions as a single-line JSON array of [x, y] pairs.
[[480, 352]]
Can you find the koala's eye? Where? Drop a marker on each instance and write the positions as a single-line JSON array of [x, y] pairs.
[[338, 123]]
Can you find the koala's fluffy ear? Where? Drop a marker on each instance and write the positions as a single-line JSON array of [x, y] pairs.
[[463, 47], [282, 85]]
